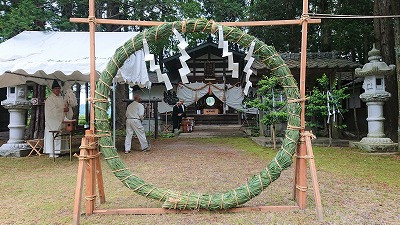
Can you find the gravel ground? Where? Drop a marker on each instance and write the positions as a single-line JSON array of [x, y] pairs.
[[37, 191]]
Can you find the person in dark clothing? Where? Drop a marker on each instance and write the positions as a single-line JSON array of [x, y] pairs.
[[178, 113]]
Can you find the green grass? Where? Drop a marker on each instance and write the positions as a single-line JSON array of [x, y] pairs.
[[382, 169], [37, 190]]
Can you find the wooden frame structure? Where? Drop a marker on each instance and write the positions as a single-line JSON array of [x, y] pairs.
[[89, 161]]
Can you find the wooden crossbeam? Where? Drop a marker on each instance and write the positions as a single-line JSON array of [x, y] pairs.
[[152, 211], [302, 150], [157, 23]]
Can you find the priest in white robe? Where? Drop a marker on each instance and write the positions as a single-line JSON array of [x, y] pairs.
[[70, 101], [54, 114], [134, 117]]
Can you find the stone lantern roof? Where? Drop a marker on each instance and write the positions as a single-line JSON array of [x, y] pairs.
[[375, 66]]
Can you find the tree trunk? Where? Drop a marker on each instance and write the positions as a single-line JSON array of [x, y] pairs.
[[384, 34], [396, 7], [40, 126], [330, 134], [326, 31], [355, 110], [32, 122], [120, 106], [36, 124], [78, 99], [113, 12], [273, 135]]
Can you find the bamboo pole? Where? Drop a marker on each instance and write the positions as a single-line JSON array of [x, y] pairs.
[[302, 150], [157, 23]]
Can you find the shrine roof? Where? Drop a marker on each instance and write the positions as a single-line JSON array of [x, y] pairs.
[[319, 60], [202, 49]]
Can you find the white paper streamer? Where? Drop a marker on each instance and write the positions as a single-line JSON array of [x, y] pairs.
[[167, 82], [153, 66], [230, 62], [248, 74], [183, 58], [159, 75], [184, 54], [185, 69], [235, 71], [147, 55], [220, 37], [182, 43], [250, 52], [184, 79], [225, 51], [248, 64], [246, 88]]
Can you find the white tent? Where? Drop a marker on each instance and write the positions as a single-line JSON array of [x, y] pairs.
[[40, 57]]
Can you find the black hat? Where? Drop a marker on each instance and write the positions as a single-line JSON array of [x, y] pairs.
[[55, 84]]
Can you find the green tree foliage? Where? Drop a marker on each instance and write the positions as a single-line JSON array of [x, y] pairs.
[[351, 38], [225, 10], [283, 38], [17, 16], [317, 107], [63, 10], [270, 101]]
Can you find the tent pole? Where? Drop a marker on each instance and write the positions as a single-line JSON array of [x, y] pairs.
[[148, 111]]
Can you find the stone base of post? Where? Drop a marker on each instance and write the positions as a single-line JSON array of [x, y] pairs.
[[370, 144], [15, 150]]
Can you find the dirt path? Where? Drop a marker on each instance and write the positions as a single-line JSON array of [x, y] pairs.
[[37, 191]]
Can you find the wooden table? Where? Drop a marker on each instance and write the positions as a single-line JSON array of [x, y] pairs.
[[64, 136]]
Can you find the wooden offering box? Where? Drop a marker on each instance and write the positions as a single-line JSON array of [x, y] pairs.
[[210, 111], [69, 125]]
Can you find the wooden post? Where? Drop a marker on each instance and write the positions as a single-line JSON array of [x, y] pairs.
[[300, 161], [296, 175], [79, 182], [92, 30], [70, 146], [314, 179], [99, 176], [301, 185], [90, 175], [155, 109], [92, 149]]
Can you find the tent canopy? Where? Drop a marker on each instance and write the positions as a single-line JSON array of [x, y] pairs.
[[41, 56]]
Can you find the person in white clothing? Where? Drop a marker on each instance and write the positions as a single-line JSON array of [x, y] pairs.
[[134, 117], [54, 110]]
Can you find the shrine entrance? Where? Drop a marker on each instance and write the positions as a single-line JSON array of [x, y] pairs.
[[209, 110], [212, 95], [209, 104]]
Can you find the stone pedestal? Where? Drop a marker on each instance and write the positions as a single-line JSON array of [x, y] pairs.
[[17, 106]]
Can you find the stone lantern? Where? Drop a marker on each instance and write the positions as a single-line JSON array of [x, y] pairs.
[[17, 105], [375, 96]]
